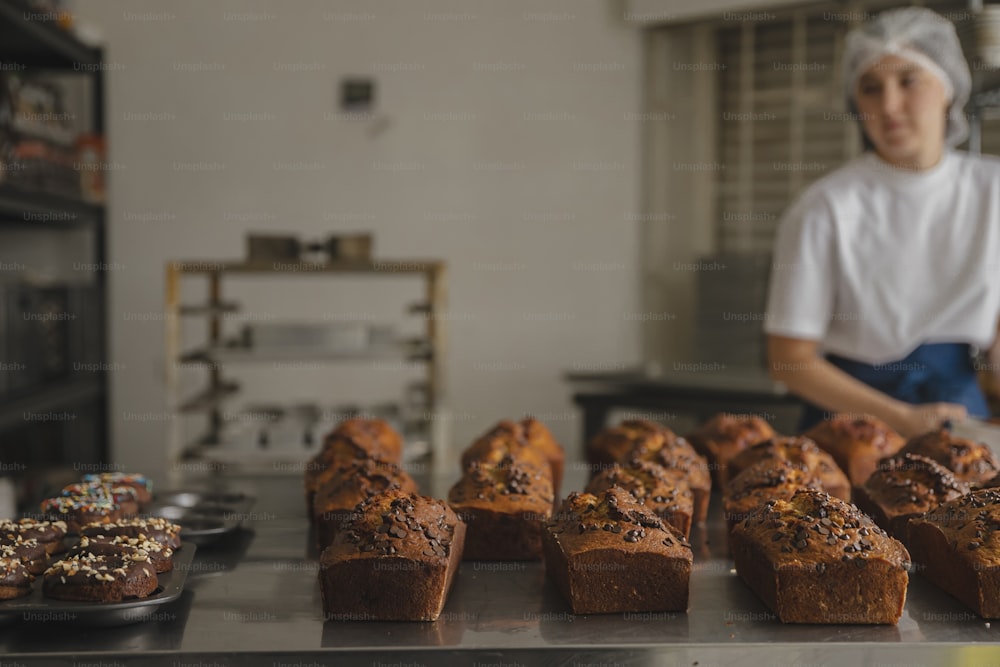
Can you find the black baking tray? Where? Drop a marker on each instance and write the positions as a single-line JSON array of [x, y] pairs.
[[205, 517], [38, 609]]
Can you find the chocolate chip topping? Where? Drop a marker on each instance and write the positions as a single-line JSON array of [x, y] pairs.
[[616, 512], [396, 522], [806, 515]]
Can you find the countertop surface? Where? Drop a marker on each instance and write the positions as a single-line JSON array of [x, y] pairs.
[[255, 600]]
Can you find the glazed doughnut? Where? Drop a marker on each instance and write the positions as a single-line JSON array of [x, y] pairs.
[[100, 578], [122, 545], [49, 534], [151, 528], [143, 485], [78, 511], [15, 580]]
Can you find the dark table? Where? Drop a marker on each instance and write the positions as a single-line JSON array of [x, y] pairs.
[[698, 394]]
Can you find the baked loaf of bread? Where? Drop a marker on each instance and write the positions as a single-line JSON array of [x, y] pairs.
[[972, 462], [358, 481], [797, 450], [957, 546], [394, 560], [78, 511], [505, 439], [662, 490], [15, 580], [151, 528], [540, 438], [815, 559], [49, 534], [143, 485], [352, 440], [905, 486], [92, 578], [608, 553], [724, 436], [160, 556], [649, 441], [856, 443], [769, 479], [616, 443], [504, 507]]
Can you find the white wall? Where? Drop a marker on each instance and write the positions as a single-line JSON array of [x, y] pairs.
[[502, 145]]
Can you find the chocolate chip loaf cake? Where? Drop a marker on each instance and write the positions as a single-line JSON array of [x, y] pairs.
[[358, 481], [972, 462], [504, 439], [663, 490], [905, 486], [504, 507], [857, 443], [815, 559], [957, 546], [539, 437], [724, 436], [615, 443], [797, 450], [608, 553], [667, 449], [769, 479], [352, 440], [394, 560]]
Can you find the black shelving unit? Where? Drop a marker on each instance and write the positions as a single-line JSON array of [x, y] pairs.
[[33, 39]]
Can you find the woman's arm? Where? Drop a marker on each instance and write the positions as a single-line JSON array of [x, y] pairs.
[[797, 364], [993, 356]]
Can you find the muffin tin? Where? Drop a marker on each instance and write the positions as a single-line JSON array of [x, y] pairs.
[[36, 608], [206, 517]]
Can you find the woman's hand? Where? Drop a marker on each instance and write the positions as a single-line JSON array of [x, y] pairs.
[[915, 420]]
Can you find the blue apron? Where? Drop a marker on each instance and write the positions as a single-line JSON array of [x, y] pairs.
[[932, 373]]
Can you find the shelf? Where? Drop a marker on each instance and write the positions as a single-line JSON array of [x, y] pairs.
[[57, 397], [33, 38], [214, 356], [39, 209], [277, 456], [279, 267], [210, 309], [209, 398]]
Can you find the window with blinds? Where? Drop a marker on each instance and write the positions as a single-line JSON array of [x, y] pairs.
[[783, 122]]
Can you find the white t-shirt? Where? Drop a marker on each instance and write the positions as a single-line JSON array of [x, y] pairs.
[[873, 261]]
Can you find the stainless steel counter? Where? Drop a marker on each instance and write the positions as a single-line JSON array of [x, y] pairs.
[[255, 601]]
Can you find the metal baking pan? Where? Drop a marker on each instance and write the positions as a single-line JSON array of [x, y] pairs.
[[205, 517], [37, 609]]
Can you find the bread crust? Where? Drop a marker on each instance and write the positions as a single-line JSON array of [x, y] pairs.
[[957, 547], [857, 443], [724, 436], [814, 558], [395, 560], [608, 553]]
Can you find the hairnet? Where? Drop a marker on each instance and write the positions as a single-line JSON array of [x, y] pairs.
[[921, 36]]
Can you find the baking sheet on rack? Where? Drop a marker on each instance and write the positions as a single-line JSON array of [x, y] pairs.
[[36, 608]]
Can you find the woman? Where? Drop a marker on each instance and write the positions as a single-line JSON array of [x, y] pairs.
[[886, 275]]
